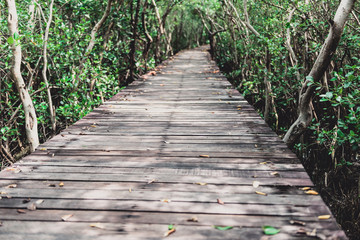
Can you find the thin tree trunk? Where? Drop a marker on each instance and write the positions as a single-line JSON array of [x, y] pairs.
[[31, 124], [149, 39], [32, 16], [293, 59], [46, 38], [92, 40], [132, 53], [320, 66]]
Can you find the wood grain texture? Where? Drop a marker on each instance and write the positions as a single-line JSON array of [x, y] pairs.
[[167, 149]]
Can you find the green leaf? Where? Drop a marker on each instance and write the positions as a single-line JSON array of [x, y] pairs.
[[269, 230], [10, 40], [171, 227], [16, 36], [223, 228]]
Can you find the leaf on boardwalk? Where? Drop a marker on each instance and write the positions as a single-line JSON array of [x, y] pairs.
[[52, 185], [269, 230], [301, 231], [168, 233], [43, 149], [204, 156], [11, 186], [264, 162], [296, 222], [38, 202], [223, 228], [256, 184], [312, 192], [61, 184], [219, 201], [200, 183], [261, 193], [97, 225], [130, 190], [324, 217], [276, 174], [312, 233], [93, 126], [14, 170], [26, 200], [66, 217], [31, 206], [193, 219], [165, 200], [151, 181], [305, 188], [21, 211]]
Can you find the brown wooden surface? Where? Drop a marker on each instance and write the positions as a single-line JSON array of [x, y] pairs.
[[118, 164]]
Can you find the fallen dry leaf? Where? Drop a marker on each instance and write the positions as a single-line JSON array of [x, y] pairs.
[[97, 225], [15, 170], [275, 174], [31, 206], [204, 156], [38, 202], [43, 149], [312, 192], [26, 200], [130, 190], [151, 181], [312, 233], [200, 183], [21, 211], [165, 200], [169, 232], [261, 193], [61, 184], [93, 126], [256, 184], [296, 222], [324, 217], [193, 219], [301, 231], [66, 217], [305, 188], [220, 202], [52, 185], [11, 186]]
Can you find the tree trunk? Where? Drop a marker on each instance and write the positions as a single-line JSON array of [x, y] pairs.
[[46, 38], [149, 39], [320, 66], [31, 124], [135, 21], [92, 39]]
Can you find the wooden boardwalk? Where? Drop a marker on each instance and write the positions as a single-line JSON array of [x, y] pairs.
[[179, 148]]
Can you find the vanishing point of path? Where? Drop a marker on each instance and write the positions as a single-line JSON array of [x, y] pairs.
[[180, 147]]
